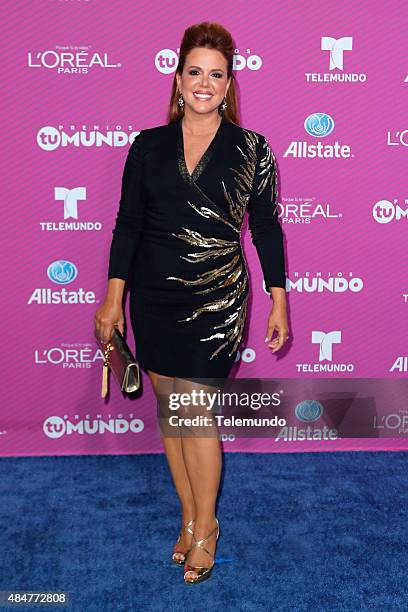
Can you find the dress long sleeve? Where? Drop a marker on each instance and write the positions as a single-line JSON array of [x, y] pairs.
[[264, 224], [128, 224]]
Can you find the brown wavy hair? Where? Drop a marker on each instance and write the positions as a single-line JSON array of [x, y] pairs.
[[212, 36]]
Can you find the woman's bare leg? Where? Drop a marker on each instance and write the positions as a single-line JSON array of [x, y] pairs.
[[203, 460], [162, 386]]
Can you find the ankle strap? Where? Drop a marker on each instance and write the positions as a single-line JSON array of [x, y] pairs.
[[200, 543], [188, 525]]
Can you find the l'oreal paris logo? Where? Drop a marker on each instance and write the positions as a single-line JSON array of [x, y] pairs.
[[70, 59], [69, 355], [305, 210], [397, 138]]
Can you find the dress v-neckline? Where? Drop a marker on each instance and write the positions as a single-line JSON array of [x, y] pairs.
[[204, 159]]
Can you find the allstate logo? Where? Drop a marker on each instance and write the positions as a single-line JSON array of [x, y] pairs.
[[62, 272], [309, 410], [319, 125]]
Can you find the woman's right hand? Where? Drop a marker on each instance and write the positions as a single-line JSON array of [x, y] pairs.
[[108, 316]]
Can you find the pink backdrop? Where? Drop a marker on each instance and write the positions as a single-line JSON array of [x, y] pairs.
[[82, 77]]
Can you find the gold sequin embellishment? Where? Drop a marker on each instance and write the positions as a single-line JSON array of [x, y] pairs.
[[267, 165], [231, 276]]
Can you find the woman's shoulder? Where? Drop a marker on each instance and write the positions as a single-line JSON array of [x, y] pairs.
[[245, 132], [156, 135], [159, 134], [158, 131], [149, 138]]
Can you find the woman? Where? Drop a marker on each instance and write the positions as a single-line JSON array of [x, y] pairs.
[[186, 186]]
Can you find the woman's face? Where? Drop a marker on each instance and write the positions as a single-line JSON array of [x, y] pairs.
[[205, 72]]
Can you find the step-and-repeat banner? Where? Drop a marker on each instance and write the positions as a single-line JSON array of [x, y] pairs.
[[328, 88]]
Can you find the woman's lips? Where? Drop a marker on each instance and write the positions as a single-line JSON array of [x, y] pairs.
[[202, 97]]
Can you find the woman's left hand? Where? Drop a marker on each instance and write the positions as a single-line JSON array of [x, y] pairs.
[[277, 320]]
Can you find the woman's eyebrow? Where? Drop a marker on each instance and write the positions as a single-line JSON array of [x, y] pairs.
[[199, 67]]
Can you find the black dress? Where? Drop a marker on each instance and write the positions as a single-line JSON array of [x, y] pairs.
[[177, 242]]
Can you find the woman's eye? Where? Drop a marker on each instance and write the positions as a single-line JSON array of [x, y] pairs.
[[218, 75]]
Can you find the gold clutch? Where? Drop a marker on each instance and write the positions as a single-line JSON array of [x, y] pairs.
[[119, 359]]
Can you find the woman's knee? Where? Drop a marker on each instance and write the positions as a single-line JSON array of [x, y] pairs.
[[160, 382]]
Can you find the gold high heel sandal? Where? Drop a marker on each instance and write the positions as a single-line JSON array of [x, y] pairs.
[[202, 572], [180, 552]]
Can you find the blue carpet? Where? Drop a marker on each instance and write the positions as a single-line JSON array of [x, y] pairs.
[[299, 532]]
